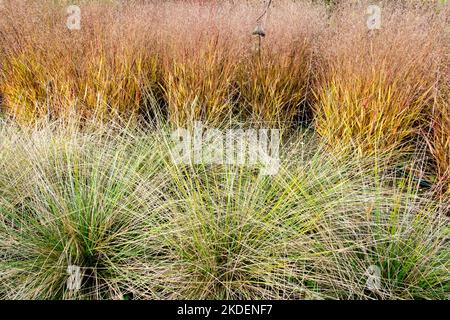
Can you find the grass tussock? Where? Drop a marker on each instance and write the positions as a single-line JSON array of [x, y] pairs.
[[111, 201]]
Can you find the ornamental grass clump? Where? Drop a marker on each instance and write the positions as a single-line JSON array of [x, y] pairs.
[[110, 201], [275, 79], [376, 87], [105, 69]]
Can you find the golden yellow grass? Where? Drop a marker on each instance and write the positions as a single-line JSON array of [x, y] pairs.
[[376, 87]]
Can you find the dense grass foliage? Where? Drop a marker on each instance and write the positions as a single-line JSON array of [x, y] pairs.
[[87, 176], [383, 89], [111, 201]]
